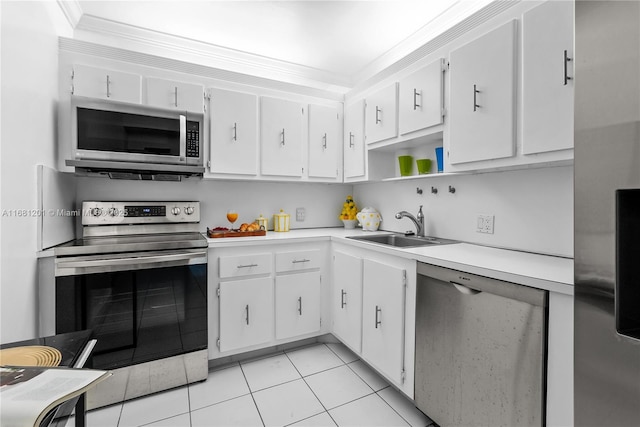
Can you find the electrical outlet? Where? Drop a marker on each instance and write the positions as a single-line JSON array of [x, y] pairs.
[[300, 214], [484, 224]]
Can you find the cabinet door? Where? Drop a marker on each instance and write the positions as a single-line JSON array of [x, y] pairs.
[[297, 304], [246, 313], [482, 112], [421, 97], [347, 299], [354, 164], [175, 95], [547, 78], [324, 141], [281, 137], [107, 84], [234, 132], [381, 118], [383, 318]]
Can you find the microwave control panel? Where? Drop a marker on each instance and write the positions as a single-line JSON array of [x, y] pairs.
[[193, 139]]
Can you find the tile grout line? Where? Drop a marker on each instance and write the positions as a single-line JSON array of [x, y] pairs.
[[313, 392], [363, 380], [252, 398], [394, 410], [376, 392]]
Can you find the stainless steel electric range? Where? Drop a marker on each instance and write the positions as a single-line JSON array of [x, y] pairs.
[[138, 279]]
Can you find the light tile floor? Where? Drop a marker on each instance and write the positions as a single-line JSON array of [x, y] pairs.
[[318, 385]]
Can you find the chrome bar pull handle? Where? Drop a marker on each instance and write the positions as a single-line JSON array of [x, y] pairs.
[[108, 86], [378, 321], [247, 308], [300, 306], [247, 266], [183, 136], [175, 96], [351, 137], [297, 261], [378, 111], [282, 140], [415, 101], [475, 99], [235, 131], [566, 61], [342, 301], [324, 142]]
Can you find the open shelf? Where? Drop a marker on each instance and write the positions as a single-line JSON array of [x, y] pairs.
[[427, 176]]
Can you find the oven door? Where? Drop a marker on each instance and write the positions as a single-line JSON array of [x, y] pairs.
[[141, 306], [110, 131]]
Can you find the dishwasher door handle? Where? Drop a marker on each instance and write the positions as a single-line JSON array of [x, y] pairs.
[[465, 289]]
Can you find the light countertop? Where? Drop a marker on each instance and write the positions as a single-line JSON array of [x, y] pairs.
[[535, 270]]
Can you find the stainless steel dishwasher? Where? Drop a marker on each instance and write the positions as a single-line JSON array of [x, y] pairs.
[[480, 350]]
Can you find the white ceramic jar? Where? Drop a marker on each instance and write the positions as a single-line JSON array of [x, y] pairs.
[[369, 219]]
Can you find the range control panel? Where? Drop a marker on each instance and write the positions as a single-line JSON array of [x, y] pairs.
[[121, 213]]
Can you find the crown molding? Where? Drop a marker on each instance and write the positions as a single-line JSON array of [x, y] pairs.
[[115, 34], [79, 48], [458, 24], [71, 10], [450, 17]]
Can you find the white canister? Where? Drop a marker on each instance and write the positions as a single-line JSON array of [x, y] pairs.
[[262, 222], [281, 221], [369, 218]]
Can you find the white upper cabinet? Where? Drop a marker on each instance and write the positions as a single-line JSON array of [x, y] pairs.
[[175, 95], [107, 84], [381, 119], [234, 132], [547, 80], [354, 150], [482, 106], [324, 142], [281, 137], [421, 98]]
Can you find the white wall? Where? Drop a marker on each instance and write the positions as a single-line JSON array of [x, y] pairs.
[[533, 208], [322, 202], [29, 91]]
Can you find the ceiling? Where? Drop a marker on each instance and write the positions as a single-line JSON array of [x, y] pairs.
[[339, 42]]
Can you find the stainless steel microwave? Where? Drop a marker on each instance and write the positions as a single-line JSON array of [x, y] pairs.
[[118, 132]]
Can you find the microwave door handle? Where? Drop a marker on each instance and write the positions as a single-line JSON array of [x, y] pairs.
[[183, 138]]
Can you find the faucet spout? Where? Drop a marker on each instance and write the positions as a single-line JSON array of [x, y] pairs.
[[418, 222]]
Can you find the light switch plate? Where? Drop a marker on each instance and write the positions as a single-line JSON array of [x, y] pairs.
[[300, 213]]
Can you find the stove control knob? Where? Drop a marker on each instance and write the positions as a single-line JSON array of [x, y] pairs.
[[113, 212], [175, 210], [96, 211], [189, 210]]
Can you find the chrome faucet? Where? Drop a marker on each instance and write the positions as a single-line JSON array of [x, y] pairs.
[[418, 220]]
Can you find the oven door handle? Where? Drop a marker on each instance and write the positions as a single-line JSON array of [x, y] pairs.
[[140, 262]]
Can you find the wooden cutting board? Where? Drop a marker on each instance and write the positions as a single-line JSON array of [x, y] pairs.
[[231, 233]]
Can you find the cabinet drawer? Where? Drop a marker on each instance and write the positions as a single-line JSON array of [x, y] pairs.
[[300, 260], [245, 265]]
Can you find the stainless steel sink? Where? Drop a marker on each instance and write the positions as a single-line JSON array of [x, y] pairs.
[[401, 241]]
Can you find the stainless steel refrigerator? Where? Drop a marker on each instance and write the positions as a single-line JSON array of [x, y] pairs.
[[607, 213]]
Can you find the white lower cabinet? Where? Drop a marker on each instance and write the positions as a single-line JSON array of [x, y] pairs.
[[246, 313], [374, 311], [347, 299], [297, 304], [383, 335], [263, 295]]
